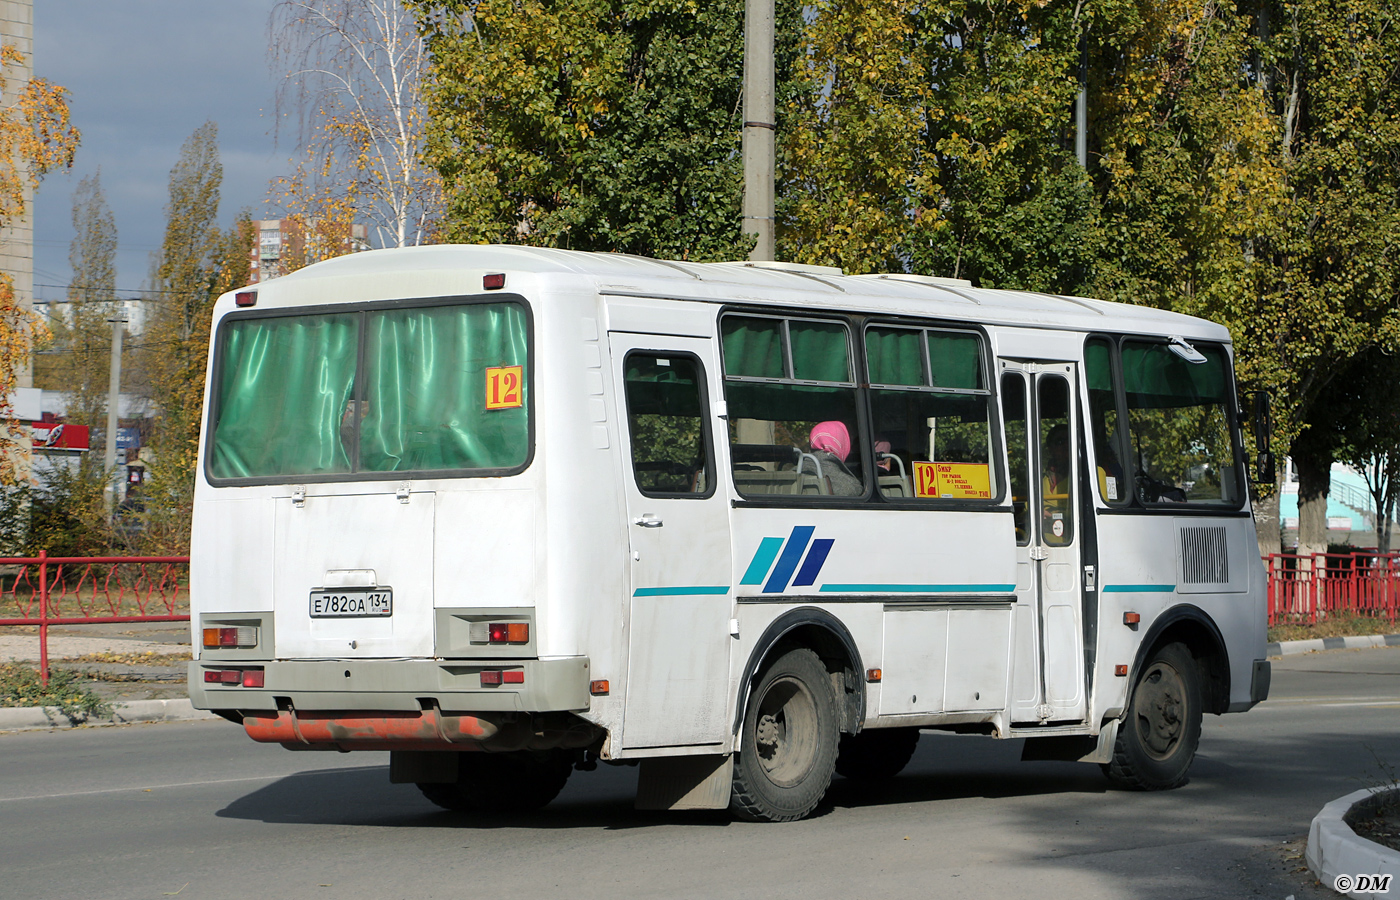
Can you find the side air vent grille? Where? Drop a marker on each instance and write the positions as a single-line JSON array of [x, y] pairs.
[[1204, 559]]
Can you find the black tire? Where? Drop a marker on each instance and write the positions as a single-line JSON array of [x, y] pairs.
[[877, 754], [521, 781], [1157, 738], [787, 749]]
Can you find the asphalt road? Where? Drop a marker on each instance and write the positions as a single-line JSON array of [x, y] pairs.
[[197, 811]]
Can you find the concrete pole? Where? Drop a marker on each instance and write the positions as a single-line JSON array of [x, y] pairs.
[[759, 126], [114, 387]]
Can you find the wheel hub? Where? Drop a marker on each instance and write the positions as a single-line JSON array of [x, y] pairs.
[[1160, 707], [785, 731]]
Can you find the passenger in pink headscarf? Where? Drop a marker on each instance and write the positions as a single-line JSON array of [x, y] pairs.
[[831, 445]]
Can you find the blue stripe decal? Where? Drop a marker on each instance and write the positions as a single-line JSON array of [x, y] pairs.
[[918, 588], [787, 563], [680, 591], [1138, 588], [763, 558], [812, 565]]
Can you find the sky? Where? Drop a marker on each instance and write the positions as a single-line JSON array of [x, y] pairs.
[[142, 75]]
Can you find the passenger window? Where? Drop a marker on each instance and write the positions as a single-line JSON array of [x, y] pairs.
[[666, 421], [792, 408], [1104, 424], [1018, 454], [1056, 460], [1178, 403], [930, 403]]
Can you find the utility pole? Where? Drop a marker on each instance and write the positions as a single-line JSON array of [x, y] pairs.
[[759, 135], [1081, 107], [113, 399]]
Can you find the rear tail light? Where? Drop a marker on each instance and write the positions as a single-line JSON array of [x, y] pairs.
[[500, 633], [246, 298], [502, 676], [231, 638], [247, 677]]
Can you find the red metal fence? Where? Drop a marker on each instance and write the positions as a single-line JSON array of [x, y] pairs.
[[1304, 588], [93, 590]]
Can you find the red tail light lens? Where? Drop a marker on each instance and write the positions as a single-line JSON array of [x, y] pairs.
[[252, 677], [226, 637], [245, 298], [513, 676], [213, 676], [230, 676], [499, 633], [494, 281], [490, 676]]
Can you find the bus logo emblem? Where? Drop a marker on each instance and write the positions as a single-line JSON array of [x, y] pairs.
[[777, 559]]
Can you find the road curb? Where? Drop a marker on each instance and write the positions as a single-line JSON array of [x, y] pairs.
[[1334, 849], [1287, 648], [29, 718]]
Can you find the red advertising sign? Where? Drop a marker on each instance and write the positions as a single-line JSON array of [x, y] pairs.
[[53, 436]]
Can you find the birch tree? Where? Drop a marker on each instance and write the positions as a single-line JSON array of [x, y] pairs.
[[353, 91]]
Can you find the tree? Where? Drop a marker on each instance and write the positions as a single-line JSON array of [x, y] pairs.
[[35, 139], [589, 124], [355, 78], [196, 263], [77, 360]]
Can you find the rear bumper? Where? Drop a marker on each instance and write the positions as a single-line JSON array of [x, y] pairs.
[[395, 685]]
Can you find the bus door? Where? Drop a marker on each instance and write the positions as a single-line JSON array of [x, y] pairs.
[[1041, 427], [678, 535]]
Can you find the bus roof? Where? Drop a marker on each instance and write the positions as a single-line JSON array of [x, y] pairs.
[[450, 268]]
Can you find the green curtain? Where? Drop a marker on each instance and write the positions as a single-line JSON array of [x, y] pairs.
[[664, 386], [955, 360], [819, 351], [894, 356], [1155, 377], [753, 347], [284, 390], [426, 389], [1097, 367]]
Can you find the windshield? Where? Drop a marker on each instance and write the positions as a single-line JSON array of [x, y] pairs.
[[440, 388]]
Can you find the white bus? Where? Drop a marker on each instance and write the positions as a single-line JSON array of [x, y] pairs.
[[506, 512]]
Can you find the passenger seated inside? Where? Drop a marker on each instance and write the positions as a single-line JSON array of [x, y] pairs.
[[831, 445]]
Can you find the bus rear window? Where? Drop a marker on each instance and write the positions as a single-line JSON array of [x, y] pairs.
[[424, 389]]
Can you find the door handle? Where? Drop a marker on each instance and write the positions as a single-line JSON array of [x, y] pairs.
[[647, 520]]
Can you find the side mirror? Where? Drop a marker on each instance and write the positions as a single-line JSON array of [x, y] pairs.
[[1265, 471]]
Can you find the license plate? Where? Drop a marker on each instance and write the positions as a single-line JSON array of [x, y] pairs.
[[342, 604]]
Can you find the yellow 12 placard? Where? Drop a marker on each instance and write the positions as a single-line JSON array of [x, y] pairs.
[[505, 387], [961, 481]]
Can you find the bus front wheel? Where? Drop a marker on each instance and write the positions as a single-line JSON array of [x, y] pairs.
[[1158, 737], [787, 749], [520, 781]]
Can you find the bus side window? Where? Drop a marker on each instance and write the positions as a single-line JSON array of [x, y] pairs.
[[1104, 423], [792, 407], [666, 422], [1013, 405]]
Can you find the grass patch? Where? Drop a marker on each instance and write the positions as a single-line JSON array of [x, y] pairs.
[[20, 686], [1335, 625]]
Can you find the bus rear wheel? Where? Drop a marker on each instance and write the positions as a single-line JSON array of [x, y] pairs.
[[787, 749], [521, 781], [1158, 737], [877, 754]]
